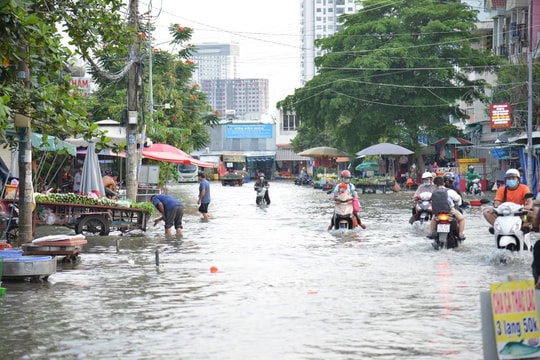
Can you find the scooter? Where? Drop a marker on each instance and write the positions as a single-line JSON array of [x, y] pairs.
[[447, 232], [475, 188], [344, 222], [261, 195], [423, 210], [508, 228]]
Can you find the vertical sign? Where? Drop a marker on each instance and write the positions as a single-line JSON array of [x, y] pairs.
[[515, 319], [500, 116]]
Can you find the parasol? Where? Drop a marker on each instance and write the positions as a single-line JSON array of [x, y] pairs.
[[169, 153], [323, 151], [91, 179], [384, 149], [369, 165]]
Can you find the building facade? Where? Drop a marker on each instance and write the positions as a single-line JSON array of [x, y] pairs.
[[319, 19]]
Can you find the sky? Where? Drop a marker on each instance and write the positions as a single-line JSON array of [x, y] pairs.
[[267, 33]]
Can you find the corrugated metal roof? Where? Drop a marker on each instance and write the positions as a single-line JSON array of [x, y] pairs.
[[287, 154]]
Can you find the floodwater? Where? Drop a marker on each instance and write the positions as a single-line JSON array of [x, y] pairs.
[[285, 287]]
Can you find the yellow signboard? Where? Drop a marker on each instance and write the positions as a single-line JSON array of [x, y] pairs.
[[515, 318]]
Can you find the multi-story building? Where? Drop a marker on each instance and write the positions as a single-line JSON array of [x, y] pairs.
[[320, 19], [215, 61], [245, 96], [217, 76]]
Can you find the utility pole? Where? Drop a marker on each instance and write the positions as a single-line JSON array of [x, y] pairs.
[[22, 123], [530, 102], [134, 81]]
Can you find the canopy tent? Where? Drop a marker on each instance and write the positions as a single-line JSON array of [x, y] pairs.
[[51, 143], [453, 143], [168, 153], [104, 152]]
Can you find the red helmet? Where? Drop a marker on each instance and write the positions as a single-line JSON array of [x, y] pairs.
[[346, 173]]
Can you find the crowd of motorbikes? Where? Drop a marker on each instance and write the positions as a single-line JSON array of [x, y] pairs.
[[510, 229]]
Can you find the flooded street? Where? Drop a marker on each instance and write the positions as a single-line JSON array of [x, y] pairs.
[[285, 288]]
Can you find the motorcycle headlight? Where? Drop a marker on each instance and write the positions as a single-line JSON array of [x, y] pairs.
[[504, 210]]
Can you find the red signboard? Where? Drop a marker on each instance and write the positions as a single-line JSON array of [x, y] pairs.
[[500, 116]]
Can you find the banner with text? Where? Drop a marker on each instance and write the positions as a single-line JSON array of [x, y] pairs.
[[500, 116], [515, 318]]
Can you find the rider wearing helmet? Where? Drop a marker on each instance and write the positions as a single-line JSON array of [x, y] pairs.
[[346, 178], [512, 191], [262, 182], [470, 176], [426, 185]]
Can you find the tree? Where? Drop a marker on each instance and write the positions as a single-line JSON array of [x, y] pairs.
[[512, 87], [34, 80], [394, 72], [181, 113]]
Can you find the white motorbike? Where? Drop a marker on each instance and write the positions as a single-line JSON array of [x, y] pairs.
[[508, 228], [422, 209], [475, 188], [261, 195]]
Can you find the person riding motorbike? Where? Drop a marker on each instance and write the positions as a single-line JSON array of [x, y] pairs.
[[426, 186], [450, 183], [470, 176], [514, 192], [260, 183], [449, 200], [346, 178], [343, 208]]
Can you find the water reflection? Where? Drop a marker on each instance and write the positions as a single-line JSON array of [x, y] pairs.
[[285, 287]]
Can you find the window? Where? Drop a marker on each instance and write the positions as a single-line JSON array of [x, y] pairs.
[[290, 122]]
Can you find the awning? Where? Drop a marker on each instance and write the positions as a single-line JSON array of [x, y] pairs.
[[51, 144], [287, 154], [260, 158]]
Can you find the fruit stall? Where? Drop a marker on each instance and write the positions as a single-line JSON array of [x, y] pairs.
[[373, 184], [86, 215]]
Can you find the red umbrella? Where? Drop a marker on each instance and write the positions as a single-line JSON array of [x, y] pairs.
[[168, 153]]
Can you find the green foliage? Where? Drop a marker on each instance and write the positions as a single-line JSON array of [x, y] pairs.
[[394, 72], [512, 86], [181, 113]]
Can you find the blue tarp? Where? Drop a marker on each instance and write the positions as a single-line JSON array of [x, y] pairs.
[[523, 159]]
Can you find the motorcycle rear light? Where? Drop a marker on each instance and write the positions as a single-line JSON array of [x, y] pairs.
[[443, 218]]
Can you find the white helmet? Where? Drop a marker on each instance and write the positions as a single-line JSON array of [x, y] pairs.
[[512, 172], [427, 175]]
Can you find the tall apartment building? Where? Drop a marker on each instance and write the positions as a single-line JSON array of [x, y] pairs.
[[215, 61], [245, 96], [319, 19], [217, 77]]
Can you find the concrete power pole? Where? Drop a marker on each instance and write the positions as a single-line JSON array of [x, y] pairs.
[[25, 192], [134, 81]]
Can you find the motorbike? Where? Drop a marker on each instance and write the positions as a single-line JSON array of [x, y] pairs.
[[261, 195], [303, 180], [475, 188], [447, 232], [423, 211], [510, 234], [345, 221]]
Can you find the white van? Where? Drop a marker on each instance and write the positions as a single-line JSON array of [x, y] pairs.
[[187, 173]]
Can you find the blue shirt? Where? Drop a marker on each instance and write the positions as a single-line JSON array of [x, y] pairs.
[[169, 202], [206, 186]]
